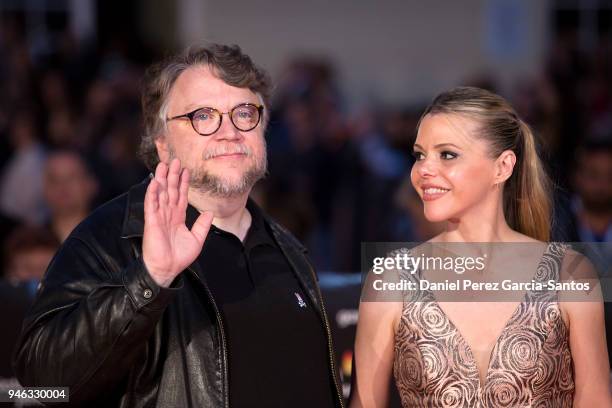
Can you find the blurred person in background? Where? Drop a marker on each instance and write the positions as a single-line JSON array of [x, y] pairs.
[[536, 101], [69, 190], [97, 112], [61, 128], [591, 209], [28, 251], [382, 152], [117, 166], [592, 185], [21, 179], [313, 159]]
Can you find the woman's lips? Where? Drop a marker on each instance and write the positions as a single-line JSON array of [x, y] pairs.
[[433, 193]]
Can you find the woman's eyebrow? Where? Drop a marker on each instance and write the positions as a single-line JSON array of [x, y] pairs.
[[439, 145]]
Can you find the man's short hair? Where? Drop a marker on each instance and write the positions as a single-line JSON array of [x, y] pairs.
[[76, 154], [228, 63]]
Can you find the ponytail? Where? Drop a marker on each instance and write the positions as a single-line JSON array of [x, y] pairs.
[[527, 202]]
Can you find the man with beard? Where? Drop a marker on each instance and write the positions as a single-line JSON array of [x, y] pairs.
[[182, 292]]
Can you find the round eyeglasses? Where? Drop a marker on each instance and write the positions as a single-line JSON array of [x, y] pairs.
[[206, 121]]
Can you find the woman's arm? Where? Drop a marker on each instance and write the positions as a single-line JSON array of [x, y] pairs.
[[379, 314], [587, 336], [589, 354], [374, 350]]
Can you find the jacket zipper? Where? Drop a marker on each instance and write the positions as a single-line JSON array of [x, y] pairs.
[[223, 342], [221, 330], [330, 346]]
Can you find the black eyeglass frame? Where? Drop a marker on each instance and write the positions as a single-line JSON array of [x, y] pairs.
[[190, 116]]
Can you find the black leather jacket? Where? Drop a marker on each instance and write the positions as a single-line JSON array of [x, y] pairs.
[[101, 326]]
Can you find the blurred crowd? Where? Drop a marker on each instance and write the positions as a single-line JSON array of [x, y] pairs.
[[70, 128]]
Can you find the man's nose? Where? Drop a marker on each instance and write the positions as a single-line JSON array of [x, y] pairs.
[[228, 131]]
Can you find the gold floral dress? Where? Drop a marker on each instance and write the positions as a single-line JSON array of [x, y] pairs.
[[530, 364]]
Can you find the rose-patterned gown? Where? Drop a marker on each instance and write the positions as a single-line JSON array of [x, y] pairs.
[[530, 365]]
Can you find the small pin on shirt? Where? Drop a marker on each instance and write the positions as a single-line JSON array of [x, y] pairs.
[[301, 302]]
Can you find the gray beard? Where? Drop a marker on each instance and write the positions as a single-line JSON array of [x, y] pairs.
[[213, 185]]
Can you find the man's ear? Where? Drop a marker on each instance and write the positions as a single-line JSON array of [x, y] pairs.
[[504, 165], [163, 150]]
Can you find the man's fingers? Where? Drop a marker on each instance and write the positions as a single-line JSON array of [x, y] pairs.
[[202, 226], [150, 200], [183, 189], [173, 181], [161, 175]]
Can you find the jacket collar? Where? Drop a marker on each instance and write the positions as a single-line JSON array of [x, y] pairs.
[[133, 219]]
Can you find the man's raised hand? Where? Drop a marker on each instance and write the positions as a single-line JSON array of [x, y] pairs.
[[168, 246]]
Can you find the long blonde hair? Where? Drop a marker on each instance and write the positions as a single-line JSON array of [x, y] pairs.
[[526, 196]]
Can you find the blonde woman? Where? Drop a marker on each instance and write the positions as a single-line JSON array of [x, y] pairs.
[[477, 169]]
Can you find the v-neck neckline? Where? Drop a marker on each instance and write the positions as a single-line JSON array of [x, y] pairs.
[[512, 317]]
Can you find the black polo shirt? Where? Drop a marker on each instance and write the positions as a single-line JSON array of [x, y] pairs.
[[276, 341]]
